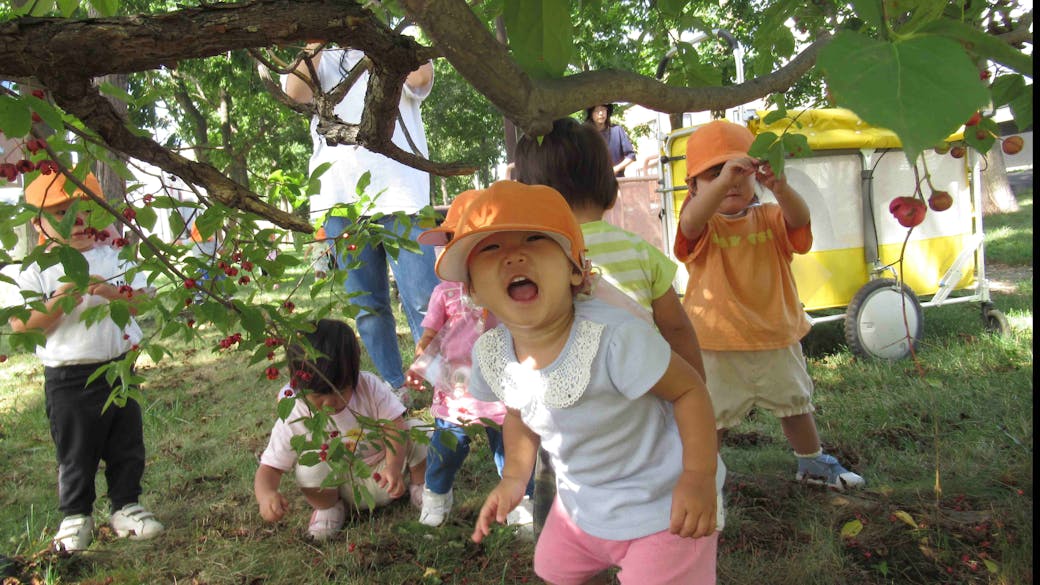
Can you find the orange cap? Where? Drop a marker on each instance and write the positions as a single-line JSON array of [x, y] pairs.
[[508, 206], [715, 143], [320, 234], [48, 191], [441, 234]]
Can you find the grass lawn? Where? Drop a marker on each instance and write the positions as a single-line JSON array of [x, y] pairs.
[[945, 445]]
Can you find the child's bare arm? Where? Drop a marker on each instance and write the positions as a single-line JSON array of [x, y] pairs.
[[703, 204], [296, 84], [47, 319], [796, 212], [521, 448], [427, 336], [265, 485], [693, 499], [396, 447], [675, 327]]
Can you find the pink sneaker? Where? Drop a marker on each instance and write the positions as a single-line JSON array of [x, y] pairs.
[[325, 524]]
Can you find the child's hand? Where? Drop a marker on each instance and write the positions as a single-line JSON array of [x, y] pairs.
[[693, 505], [391, 481], [273, 506], [413, 381], [736, 169], [506, 496], [764, 174]]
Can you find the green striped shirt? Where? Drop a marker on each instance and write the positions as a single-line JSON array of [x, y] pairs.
[[629, 262]]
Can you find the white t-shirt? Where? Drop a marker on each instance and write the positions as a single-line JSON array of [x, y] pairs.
[[404, 188], [372, 398], [72, 341], [615, 447]]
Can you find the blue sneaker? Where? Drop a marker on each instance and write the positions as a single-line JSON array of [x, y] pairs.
[[825, 470]]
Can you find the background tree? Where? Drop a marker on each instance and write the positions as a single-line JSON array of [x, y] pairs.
[[911, 67]]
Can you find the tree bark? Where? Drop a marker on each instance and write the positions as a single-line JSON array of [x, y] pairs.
[[997, 196]]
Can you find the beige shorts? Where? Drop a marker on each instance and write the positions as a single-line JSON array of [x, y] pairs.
[[312, 476], [774, 379]]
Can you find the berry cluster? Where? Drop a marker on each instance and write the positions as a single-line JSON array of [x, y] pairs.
[[230, 340], [272, 373]]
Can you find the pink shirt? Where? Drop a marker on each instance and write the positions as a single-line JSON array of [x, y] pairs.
[[372, 398], [459, 322]]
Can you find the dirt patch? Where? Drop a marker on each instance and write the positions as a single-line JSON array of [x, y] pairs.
[[1005, 279]]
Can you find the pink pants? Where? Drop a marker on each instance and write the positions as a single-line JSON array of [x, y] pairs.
[[567, 555]]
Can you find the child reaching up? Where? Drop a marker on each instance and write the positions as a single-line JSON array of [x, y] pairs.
[[333, 382], [452, 324], [626, 421], [741, 295]]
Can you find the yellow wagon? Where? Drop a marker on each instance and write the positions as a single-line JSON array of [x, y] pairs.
[[853, 173]]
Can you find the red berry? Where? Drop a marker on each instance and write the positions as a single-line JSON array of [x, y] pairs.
[[247, 265], [126, 290], [270, 356], [47, 167], [351, 547], [324, 446], [243, 280], [272, 373], [271, 341], [1012, 145], [191, 323], [376, 476], [323, 455], [974, 119], [148, 199], [940, 201], [129, 213], [9, 171], [289, 306], [957, 151], [135, 347], [231, 271], [352, 247], [187, 302], [908, 211], [38, 93], [189, 283], [236, 257], [333, 434], [102, 235], [25, 166], [984, 74], [120, 242], [3, 358], [36, 118]]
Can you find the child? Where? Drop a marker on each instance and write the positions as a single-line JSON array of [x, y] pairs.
[[83, 430], [334, 381], [626, 421], [741, 294], [456, 322], [573, 159]]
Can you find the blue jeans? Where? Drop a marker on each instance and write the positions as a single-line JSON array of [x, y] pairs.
[[415, 281], [443, 463]]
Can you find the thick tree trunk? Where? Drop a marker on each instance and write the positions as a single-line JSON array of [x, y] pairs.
[[997, 196], [113, 185]]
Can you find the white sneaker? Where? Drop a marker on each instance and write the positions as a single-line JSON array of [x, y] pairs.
[[326, 523], [435, 507], [134, 521], [74, 534], [522, 517]]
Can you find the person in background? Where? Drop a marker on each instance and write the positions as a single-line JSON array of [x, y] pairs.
[[619, 147], [400, 188]]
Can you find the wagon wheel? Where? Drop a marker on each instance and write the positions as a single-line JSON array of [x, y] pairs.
[[874, 323], [994, 320]]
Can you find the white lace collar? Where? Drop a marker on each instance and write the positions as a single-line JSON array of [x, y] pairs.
[[559, 385]]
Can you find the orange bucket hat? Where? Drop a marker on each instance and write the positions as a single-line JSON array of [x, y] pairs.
[[715, 143], [508, 206], [441, 234], [48, 191]]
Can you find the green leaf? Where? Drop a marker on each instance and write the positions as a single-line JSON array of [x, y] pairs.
[[672, 7], [155, 352], [981, 136], [76, 268], [117, 92], [209, 221], [67, 7], [41, 8], [1006, 88], [252, 319], [991, 566], [285, 407], [540, 35], [1022, 109], [105, 7], [922, 88], [146, 217], [760, 147], [48, 112], [870, 12], [982, 44], [797, 145], [15, 118], [120, 313], [851, 529]]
